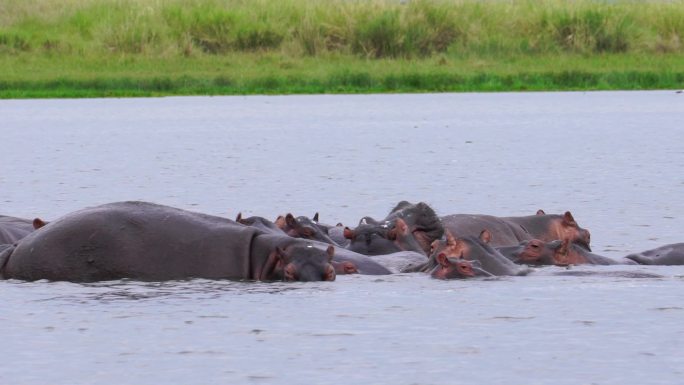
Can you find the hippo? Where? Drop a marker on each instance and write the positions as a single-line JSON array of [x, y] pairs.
[[401, 262], [559, 253], [372, 239], [260, 223], [422, 221], [336, 234], [672, 254], [486, 260], [510, 231], [408, 227], [344, 261], [550, 227], [13, 229], [146, 241], [303, 227]]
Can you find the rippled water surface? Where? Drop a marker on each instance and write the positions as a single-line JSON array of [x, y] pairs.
[[615, 159]]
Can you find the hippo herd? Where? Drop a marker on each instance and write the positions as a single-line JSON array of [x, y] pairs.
[[147, 241]]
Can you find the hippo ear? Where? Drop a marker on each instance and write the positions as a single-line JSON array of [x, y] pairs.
[[331, 252], [451, 240], [401, 227], [38, 223], [541, 212], [238, 218], [434, 245], [274, 260], [568, 219], [291, 221], [348, 233], [315, 217], [485, 236], [339, 224], [280, 222]]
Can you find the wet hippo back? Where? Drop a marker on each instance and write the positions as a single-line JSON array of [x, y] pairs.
[[672, 254], [13, 229], [504, 233], [134, 240]]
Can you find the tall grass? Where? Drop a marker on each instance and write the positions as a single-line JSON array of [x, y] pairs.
[[152, 47], [365, 28]]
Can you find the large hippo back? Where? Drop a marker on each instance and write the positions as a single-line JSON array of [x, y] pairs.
[[133, 240], [504, 233]]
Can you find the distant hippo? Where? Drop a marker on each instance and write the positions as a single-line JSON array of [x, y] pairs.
[[486, 261], [13, 229], [509, 231], [672, 254], [145, 241], [560, 253]]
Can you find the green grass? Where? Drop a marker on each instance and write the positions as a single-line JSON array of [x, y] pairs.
[[90, 48]]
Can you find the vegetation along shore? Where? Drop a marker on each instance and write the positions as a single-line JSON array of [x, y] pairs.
[[93, 48]]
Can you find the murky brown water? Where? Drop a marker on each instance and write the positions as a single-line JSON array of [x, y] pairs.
[[614, 158]]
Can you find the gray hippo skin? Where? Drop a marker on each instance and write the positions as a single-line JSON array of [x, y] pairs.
[[486, 260], [344, 261], [408, 227], [386, 238], [672, 254], [303, 227], [146, 241], [510, 231], [13, 229], [560, 253]]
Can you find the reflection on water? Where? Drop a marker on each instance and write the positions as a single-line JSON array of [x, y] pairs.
[[345, 157]]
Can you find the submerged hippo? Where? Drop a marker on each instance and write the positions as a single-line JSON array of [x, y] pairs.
[[672, 254], [372, 239], [485, 260], [408, 227], [344, 261], [13, 229], [510, 231], [303, 227], [145, 241], [560, 253]]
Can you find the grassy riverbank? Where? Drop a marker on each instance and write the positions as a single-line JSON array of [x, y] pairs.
[[77, 48]]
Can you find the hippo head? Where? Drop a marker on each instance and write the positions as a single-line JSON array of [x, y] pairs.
[[448, 259], [566, 252], [385, 238], [534, 252], [345, 267], [299, 261], [558, 252], [468, 248], [569, 229], [302, 227]]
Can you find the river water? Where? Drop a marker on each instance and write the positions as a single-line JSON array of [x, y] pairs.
[[615, 159]]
